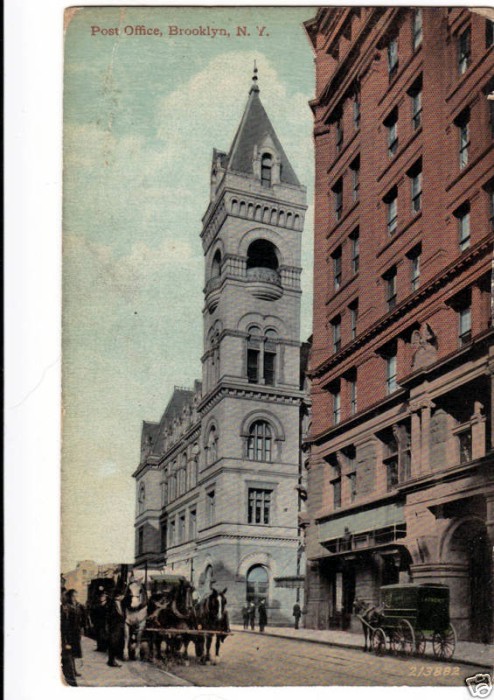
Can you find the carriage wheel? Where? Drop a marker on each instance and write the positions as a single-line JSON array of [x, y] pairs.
[[444, 643], [379, 642], [419, 643], [403, 639]]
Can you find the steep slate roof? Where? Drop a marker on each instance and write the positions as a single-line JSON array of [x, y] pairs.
[[253, 129], [179, 399]]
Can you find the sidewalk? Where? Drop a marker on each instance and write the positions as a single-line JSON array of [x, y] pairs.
[[481, 655]]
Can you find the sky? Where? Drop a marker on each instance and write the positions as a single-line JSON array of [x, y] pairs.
[[141, 117]]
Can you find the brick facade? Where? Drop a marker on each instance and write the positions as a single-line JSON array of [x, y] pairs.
[[400, 484]]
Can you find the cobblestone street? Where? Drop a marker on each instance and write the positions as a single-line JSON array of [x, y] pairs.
[[256, 660]]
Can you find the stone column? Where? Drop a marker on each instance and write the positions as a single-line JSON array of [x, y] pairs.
[[415, 440], [426, 436]]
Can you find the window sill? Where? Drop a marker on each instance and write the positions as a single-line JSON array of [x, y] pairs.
[[399, 234]]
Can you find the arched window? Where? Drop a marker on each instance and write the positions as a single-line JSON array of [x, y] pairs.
[[257, 584], [216, 266], [259, 442], [141, 497], [266, 169], [212, 446], [261, 357], [208, 577], [262, 253]]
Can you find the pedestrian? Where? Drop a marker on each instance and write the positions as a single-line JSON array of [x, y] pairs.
[[297, 614], [263, 616], [252, 614], [99, 616], [75, 623], [115, 625], [245, 616], [68, 663]]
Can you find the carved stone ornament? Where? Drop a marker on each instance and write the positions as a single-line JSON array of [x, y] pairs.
[[424, 343]]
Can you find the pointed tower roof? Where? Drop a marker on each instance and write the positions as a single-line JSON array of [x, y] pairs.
[[256, 130]]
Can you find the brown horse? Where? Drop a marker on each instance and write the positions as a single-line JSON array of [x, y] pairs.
[[212, 615], [174, 610], [370, 617]]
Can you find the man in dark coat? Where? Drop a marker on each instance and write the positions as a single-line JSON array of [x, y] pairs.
[[76, 622], [245, 616], [263, 616], [68, 663], [99, 615], [297, 614], [115, 625], [252, 614]]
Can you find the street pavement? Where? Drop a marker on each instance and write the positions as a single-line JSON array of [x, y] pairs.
[[95, 671], [255, 659]]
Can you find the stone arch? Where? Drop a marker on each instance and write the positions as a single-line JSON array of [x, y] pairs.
[[449, 533], [256, 559], [264, 322], [250, 211], [234, 206], [217, 249], [289, 219], [296, 222], [262, 415], [242, 209], [211, 423], [285, 256]]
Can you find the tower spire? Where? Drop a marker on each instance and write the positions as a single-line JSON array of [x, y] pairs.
[[255, 86]]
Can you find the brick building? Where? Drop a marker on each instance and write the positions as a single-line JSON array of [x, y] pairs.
[[217, 483], [401, 470]]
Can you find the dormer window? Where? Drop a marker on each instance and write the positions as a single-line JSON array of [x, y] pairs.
[[266, 169]]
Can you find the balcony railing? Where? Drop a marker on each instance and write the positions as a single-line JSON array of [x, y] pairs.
[[263, 274]]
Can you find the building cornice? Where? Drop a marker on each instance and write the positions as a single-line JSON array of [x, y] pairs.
[[454, 270], [260, 393]]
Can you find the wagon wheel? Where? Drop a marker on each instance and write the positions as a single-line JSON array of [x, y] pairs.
[[444, 643], [419, 643], [403, 639], [379, 642]]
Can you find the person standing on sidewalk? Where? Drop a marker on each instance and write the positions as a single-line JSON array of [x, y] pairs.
[[252, 615], [263, 616], [245, 616], [297, 614], [75, 623]]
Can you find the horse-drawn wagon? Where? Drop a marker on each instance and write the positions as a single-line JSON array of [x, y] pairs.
[[409, 617]]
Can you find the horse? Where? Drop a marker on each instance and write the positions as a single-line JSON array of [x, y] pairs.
[[212, 615], [370, 617], [172, 610], [134, 605]]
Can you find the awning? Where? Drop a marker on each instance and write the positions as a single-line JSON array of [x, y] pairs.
[[363, 521]]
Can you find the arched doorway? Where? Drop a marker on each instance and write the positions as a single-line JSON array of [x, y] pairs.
[[470, 545], [208, 578], [257, 584]]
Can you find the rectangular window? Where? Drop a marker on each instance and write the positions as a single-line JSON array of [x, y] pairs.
[[391, 124], [462, 124], [416, 188], [391, 474], [464, 326], [164, 536], [355, 239], [489, 33], [464, 51], [356, 111], [392, 58], [172, 533], [355, 168], [391, 384], [211, 507], [337, 268], [352, 483], [336, 328], [353, 395], [338, 199], [417, 29], [415, 94], [465, 445], [192, 524], [463, 218], [337, 492], [414, 258], [339, 135], [253, 365], [140, 540], [181, 527], [353, 319], [336, 406], [390, 288], [259, 507], [391, 201], [269, 367]]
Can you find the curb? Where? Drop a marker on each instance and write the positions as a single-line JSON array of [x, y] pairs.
[[345, 645]]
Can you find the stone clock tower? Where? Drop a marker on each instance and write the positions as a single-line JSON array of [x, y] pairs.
[[251, 388]]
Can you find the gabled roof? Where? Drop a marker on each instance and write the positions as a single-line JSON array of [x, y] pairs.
[[254, 130]]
